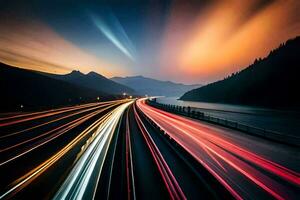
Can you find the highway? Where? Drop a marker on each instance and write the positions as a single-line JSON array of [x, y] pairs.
[[183, 177], [126, 149], [82, 181], [249, 167], [48, 141]]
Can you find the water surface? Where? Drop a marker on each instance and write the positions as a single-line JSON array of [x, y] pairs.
[[287, 122]]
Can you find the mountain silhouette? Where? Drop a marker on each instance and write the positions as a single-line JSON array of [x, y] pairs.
[[93, 81], [143, 85], [25, 89], [272, 81]]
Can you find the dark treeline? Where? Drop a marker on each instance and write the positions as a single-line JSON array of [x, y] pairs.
[[273, 81], [29, 90]]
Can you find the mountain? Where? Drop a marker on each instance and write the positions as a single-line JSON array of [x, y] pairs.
[[34, 90], [143, 85], [93, 81], [272, 81]]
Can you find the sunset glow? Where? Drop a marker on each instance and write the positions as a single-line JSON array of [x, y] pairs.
[[143, 99], [226, 37], [191, 42]]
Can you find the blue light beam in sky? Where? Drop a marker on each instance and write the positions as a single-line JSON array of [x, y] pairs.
[[108, 33]]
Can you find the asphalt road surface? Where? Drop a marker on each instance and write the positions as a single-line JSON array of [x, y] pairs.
[[126, 149]]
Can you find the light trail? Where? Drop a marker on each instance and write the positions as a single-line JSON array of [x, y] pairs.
[[26, 179], [56, 119], [67, 127], [170, 181], [42, 115], [226, 157], [271, 166], [54, 130], [83, 179], [43, 112], [131, 194], [114, 146]]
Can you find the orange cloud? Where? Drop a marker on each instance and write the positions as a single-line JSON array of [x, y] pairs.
[[33, 45], [226, 36]]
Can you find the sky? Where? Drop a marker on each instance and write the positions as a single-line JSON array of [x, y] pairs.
[[198, 41]]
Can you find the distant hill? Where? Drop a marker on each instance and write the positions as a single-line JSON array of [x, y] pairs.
[[93, 81], [153, 87], [33, 90], [273, 81]]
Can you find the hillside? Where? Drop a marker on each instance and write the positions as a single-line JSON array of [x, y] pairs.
[[272, 81], [93, 81], [33, 90], [143, 85]]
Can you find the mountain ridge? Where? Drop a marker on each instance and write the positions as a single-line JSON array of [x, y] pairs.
[[23, 89], [93, 80], [153, 87]]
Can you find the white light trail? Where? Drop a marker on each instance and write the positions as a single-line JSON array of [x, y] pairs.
[[82, 181]]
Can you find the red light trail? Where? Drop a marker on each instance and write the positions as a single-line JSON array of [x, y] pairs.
[[226, 158], [171, 183]]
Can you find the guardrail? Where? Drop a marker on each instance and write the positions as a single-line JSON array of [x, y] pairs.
[[195, 114], [199, 170]]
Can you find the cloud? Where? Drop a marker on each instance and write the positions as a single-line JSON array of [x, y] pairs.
[[118, 37], [225, 37], [31, 44]]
